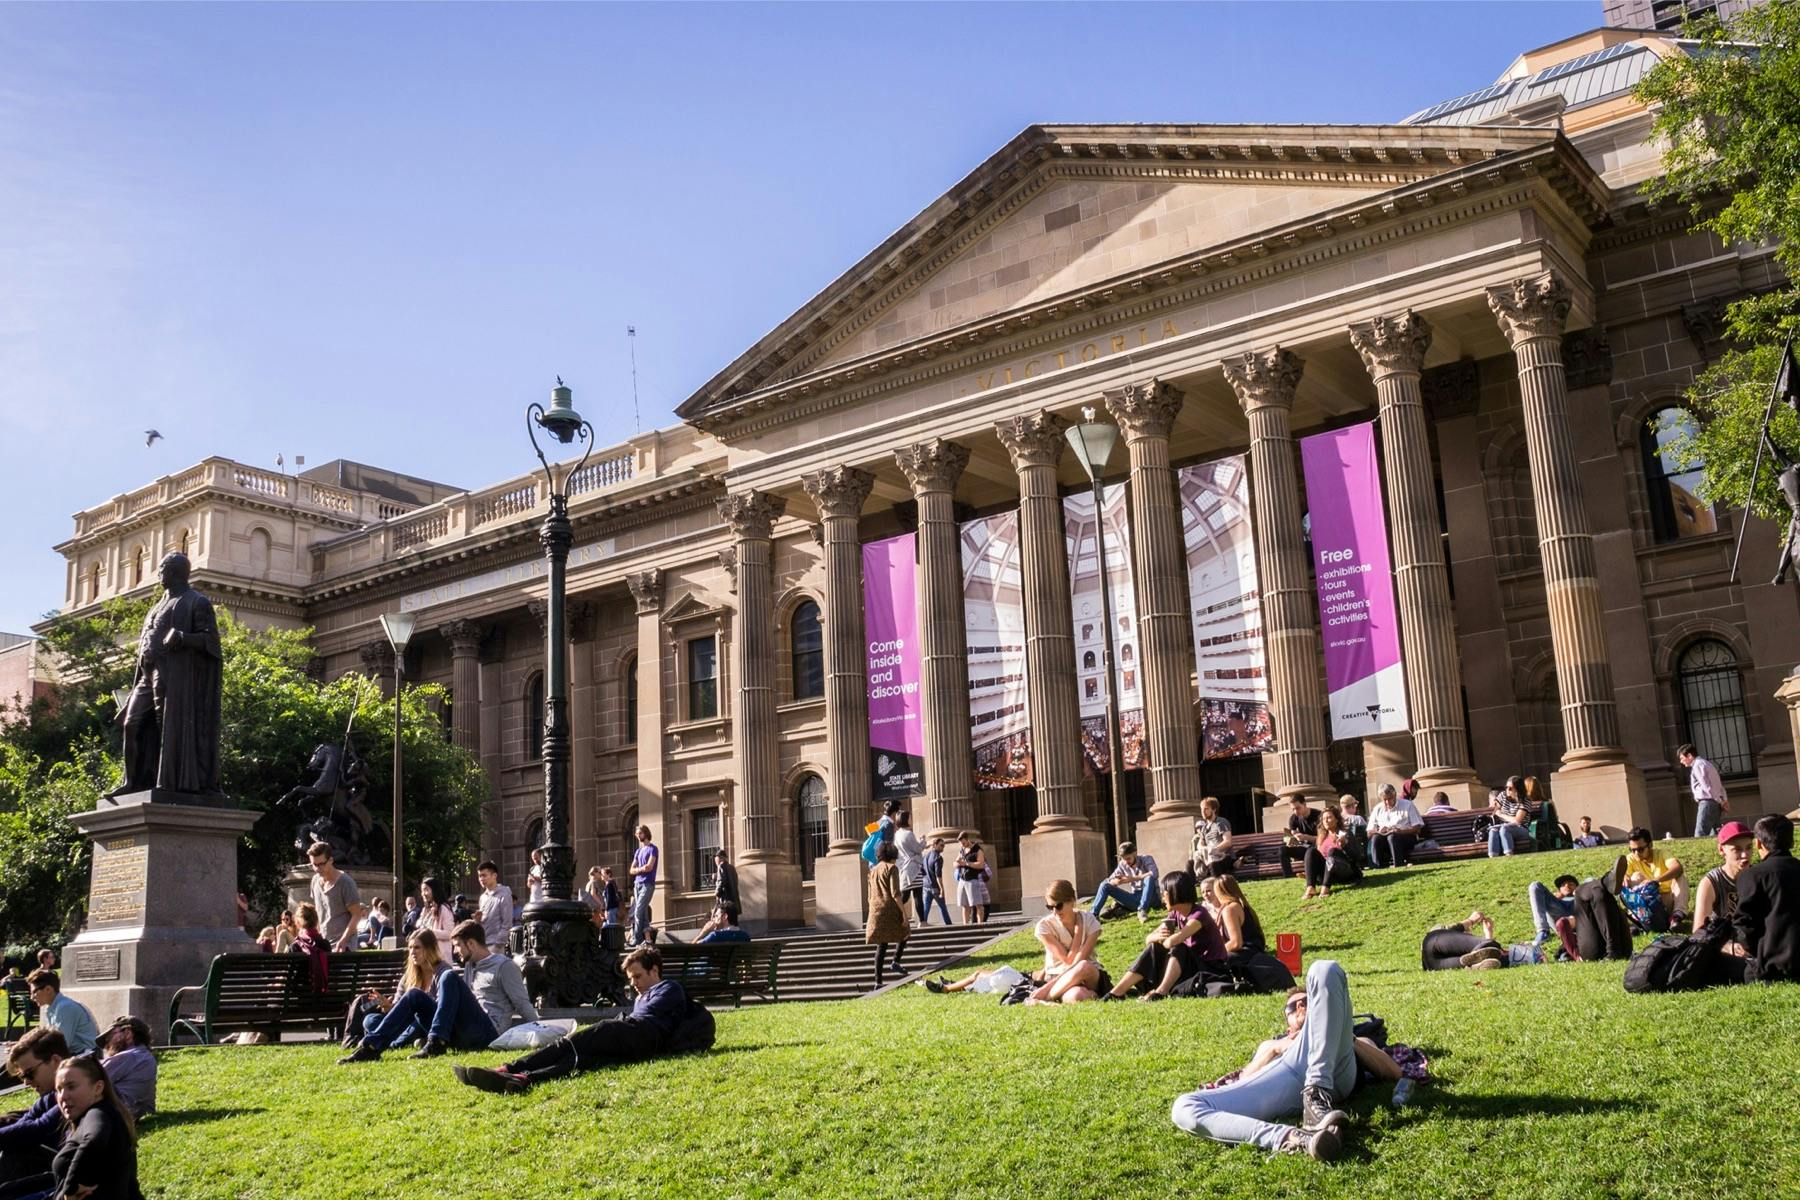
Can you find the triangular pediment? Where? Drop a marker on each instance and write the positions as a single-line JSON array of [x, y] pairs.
[[1061, 209]]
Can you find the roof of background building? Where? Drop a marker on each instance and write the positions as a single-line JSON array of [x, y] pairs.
[[1624, 57]]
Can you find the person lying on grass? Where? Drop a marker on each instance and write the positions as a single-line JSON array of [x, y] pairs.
[[1452, 947], [1179, 948], [1308, 1070], [1068, 935], [662, 1021]]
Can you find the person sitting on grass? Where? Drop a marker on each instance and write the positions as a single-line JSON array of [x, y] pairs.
[[1668, 906], [1394, 828], [1308, 1071], [1239, 927], [98, 1159], [1132, 883], [1328, 858], [425, 966], [1717, 895], [1458, 946], [30, 1136], [662, 1021], [1586, 836], [1187, 939], [1550, 906], [131, 1066], [1768, 914], [468, 1009], [1068, 935], [68, 1016]]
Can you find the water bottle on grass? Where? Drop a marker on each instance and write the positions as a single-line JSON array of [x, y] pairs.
[[1403, 1093]]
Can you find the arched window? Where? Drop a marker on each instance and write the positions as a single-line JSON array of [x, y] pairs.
[[137, 566], [807, 645], [534, 717], [814, 824], [186, 541], [1676, 510], [261, 550], [1088, 660], [94, 582], [631, 701], [1712, 705]]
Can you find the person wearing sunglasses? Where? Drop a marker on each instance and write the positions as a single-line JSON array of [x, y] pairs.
[[29, 1137], [1304, 1072], [1071, 971]]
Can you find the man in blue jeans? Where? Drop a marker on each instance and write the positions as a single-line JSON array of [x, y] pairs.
[[1132, 883], [643, 884], [1304, 1073]]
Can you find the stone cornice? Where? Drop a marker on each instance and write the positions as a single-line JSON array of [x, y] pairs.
[[737, 403], [519, 540], [118, 530]]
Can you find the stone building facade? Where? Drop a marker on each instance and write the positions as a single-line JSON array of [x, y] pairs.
[[1484, 280]]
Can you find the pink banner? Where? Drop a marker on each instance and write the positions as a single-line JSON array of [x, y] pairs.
[[1355, 582], [891, 630]]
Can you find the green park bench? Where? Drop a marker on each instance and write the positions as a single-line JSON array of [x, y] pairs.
[[272, 994], [719, 970]]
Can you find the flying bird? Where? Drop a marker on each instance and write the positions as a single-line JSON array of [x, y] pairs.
[[151, 437]]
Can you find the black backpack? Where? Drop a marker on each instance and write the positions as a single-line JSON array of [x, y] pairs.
[[1262, 972], [1678, 963]]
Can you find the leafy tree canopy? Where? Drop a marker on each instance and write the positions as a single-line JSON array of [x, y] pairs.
[[1729, 113], [58, 756]]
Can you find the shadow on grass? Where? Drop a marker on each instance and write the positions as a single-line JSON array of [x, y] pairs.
[[1498, 1106], [195, 1116]]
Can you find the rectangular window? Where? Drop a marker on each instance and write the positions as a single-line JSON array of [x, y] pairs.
[[703, 679], [706, 845], [631, 703]]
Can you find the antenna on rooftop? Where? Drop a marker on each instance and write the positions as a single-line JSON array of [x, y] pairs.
[[636, 420]]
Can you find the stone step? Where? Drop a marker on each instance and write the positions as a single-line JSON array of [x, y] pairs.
[[840, 966]]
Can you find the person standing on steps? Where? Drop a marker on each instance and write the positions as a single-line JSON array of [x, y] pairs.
[[887, 924], [971, 880], [643, 883], [934, 883], [911, 864]]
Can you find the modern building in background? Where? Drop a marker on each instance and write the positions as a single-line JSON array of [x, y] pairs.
[[1484, 281]]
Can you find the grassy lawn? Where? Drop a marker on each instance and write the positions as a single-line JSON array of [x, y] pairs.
[[1551, 1082]]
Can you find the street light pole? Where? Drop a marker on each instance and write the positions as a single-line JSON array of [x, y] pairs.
[[1093, 445], [562, 950], [399, 630]]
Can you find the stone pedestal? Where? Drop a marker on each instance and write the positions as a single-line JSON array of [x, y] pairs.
[[770, 894], [1166, 839], [1465, 794], [1078, 855], [1789, 694], [840, 892], [162, 901], [1613, 794]]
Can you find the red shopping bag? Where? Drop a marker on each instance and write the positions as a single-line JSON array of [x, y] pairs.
[[1287, 949]]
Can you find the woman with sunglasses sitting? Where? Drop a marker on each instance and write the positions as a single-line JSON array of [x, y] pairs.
[[1069, 935]]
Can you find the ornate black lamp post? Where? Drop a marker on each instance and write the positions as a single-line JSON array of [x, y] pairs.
[[563, 962], [1093, 443]]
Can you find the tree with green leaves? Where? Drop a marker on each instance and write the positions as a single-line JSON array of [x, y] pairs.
[[59, 755], [1729, 113]]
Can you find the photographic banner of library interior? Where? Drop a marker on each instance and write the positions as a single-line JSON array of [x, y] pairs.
[[1390, 498]]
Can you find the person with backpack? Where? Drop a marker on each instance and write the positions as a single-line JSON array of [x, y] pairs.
[[1181, 947], [1664, 906], [1768, 914]]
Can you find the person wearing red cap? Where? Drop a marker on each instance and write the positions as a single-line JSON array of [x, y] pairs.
[[1717, 894]]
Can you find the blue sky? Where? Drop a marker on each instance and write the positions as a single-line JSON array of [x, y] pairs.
[[377, 232]]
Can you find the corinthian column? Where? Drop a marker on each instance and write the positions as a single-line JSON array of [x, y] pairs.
[[1393, 349], [1531, 313], [1264, 381], [933, 467], [770, 886], [1146, 412], [838, 493], [1061, 844], [465, 681]]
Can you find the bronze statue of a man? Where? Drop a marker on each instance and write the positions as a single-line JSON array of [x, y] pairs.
[[171, 717]]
